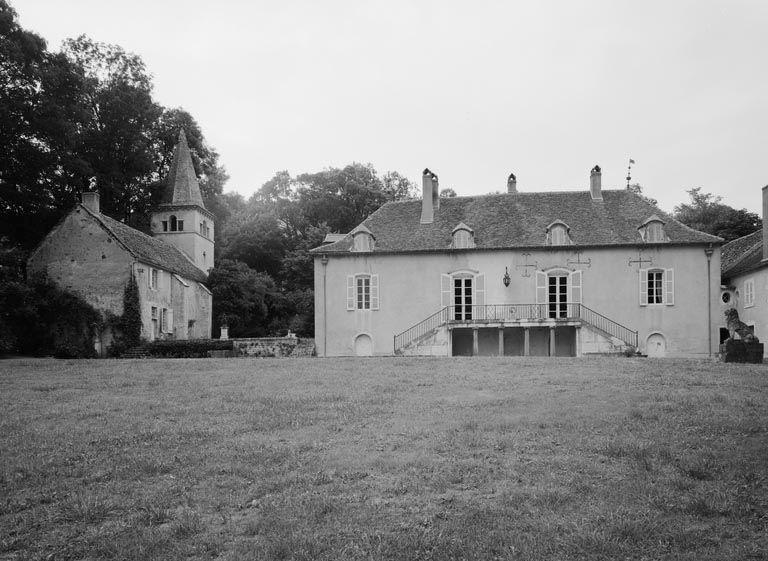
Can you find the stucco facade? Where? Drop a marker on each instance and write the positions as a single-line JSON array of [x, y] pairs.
[[561, 273], [745, 280], [409, 288]]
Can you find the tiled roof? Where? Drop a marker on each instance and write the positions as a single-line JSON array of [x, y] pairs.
[[150, 250], [520, 220], [182, 187], [742, 255]]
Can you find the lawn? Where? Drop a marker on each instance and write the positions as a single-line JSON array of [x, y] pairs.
[[398, 458]]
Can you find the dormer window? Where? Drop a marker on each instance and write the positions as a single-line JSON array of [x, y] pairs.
[[362, 239], [558, 233], [463, 237], [652, 230]]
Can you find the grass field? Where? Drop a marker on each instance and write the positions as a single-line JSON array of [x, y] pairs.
[[397, 458]]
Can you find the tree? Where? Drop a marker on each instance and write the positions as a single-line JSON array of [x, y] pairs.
[[398, 188], [707, 213], [637, 189], [447, 192], [39, 111], [239, 298]]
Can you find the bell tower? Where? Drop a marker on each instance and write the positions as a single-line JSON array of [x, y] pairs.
[[181, 219]]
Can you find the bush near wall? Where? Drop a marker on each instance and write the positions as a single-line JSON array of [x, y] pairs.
[[42, 319], [189, 348]]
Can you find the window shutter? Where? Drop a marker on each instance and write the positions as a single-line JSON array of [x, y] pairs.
[[669, 287], [575, 296], [374, 292], [643, 287], [169, 327], [445, 291], [541, 287], [350, 292], [480, 296]]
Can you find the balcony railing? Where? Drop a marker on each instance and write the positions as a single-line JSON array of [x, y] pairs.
[[490, 313]]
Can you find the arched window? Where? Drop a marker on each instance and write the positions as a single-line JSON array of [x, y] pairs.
[[174, 223], [463, 237], [558, 233]]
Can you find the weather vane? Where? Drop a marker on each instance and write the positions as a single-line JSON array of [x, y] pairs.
[[629, 171]]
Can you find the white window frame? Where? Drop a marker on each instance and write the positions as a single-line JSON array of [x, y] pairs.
[[477, 297], [166, 320], [354, 300], [749, 292], [362, 242], [463, 239], [154, 278], [667, 288]]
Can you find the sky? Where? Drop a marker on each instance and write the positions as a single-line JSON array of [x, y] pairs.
[[472, 90]]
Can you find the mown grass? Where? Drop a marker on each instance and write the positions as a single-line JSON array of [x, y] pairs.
[[398, 458]]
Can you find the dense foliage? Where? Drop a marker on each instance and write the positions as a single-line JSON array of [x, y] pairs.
[[42, 319], [127, 327], [190, 348], [708, 213], [84, 112]]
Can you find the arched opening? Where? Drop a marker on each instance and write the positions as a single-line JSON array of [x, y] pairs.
[[656, 345], [363, 345], [174, 223]]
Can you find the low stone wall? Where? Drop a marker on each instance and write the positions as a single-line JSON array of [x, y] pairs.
[[274, 347]]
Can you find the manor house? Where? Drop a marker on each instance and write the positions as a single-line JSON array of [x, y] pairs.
[[563, 273], [94, 255]]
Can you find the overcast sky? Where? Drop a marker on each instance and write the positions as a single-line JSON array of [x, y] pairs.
[[472, 90]]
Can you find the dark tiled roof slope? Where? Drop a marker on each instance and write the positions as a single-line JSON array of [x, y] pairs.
[[742, 255], [519, 220], [150, 250], [182, 187]]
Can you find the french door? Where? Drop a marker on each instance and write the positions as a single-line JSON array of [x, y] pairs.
[[557, 296], [462, 298]]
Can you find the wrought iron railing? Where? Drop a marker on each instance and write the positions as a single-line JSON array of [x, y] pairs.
[[607, 325], [488, 313], [420, 329]]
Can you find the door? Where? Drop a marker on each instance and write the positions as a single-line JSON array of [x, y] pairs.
[[557, 296], [656, 346], [462, 298], [363, 345]]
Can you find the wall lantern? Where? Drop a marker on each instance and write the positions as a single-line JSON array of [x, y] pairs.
[[506, 278]]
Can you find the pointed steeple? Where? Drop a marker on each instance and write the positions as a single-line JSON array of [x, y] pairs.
[[182, 187]]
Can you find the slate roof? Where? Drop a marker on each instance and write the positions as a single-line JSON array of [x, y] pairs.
[[149, 250], [181, 186], [742, 255], [520, 220]]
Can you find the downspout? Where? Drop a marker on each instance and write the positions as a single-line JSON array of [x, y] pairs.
[[324, 261], [708, 251]]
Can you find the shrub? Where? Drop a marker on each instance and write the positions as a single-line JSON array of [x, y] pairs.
[[190, 348], [127, 327], [44, 319]]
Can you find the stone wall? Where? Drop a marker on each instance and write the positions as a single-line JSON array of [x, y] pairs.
[[274, 347]]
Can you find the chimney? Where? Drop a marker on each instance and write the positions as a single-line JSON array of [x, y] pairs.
[[512, 184], [594, 184], [435, 193], [765, 223], [427, 197], [91, 200]]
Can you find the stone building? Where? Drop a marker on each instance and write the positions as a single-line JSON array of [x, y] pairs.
[[94, 255], [551, 274]]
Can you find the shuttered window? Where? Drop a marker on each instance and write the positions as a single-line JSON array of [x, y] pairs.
[[363, 292], [657, 286]]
